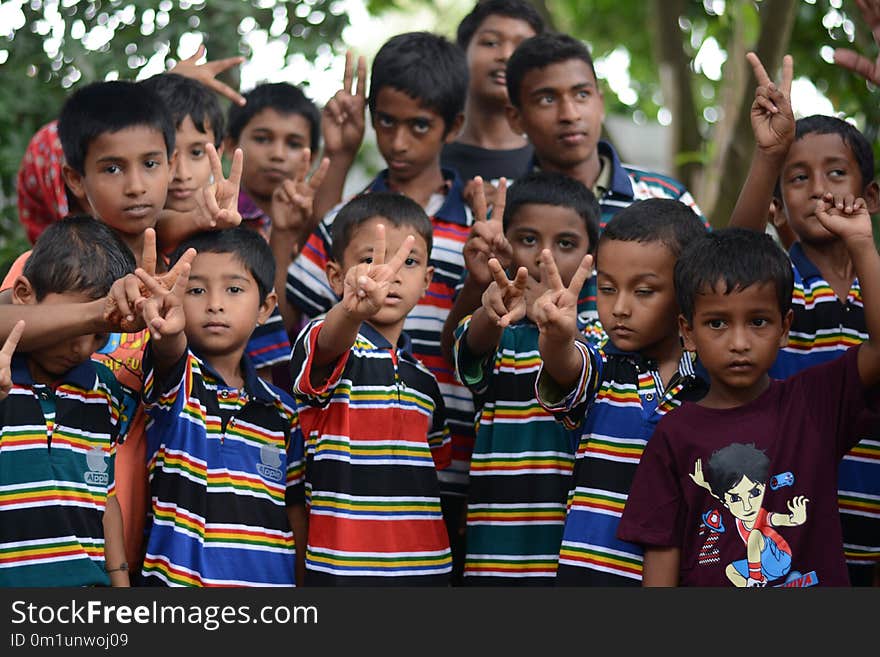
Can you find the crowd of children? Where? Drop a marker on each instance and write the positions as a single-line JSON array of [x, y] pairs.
[[509, 360]]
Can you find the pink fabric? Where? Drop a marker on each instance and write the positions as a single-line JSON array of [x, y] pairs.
[[42, 195]]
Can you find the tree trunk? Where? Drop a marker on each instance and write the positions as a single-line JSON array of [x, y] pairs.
[[674, 68], [719, 194]]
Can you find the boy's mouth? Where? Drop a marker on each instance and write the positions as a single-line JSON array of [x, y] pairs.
[[572, 138], [276, 175], [740, 365], [498, 76], [138, 210], [180, 193]]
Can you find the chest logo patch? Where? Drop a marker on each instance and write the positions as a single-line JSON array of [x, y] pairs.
[[96, 475], [270, 458]]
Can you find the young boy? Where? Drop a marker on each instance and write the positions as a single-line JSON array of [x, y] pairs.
[[797, 162], [224, 447], [615, 395], [372, 414], [60, 522], [486, 145], [522, 461], [766, 450], [556, 101], [417, 88]]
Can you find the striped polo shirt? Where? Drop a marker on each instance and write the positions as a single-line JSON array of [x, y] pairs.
[[224, 464], [375, 436], [521, 466], [57, 449], [617, 402], [823, 328], [309, 290]]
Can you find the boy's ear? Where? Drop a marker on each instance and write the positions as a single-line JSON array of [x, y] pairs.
[[74, 181], [267, 307], [23, 292], [513, 119], [686, 332], [872, 197], [429, 274], [454, 129], [335, 276], [786, 326]]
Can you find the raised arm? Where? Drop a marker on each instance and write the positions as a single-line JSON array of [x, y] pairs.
[[503, 303], [163, 314], [207, 73], [773, 126], [853, 61]]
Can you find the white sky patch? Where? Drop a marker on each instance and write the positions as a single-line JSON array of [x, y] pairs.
[[614, 69], [806, 100], [710, 58]]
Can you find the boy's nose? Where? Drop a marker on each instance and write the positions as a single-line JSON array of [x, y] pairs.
[[182, 169], [400, 143], [134, 183], [739, 341], [567, 110], [621, 306], [277, 150]]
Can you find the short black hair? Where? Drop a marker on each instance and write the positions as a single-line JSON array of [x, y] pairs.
[[819, 124], [397, 209], [663, 220], [540, 51], [186, 97], [77, 254], [247, 245], [102, 107], [426, 67], [282, 97], [518, 9], [550, 188], [728, 465], [736, 257]]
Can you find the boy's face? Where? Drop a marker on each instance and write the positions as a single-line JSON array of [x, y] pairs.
[[487, 53], [273, 145], [50, 363], [744, 500], [561, 111], [222, 304], [125, 179], [737, 337], [409, 136], [817, 164], [408, 286], [636, 296], [536, 227], [192, 168]]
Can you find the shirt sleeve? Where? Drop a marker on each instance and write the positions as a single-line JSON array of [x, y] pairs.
[[439, 436], [472, 370], [569, 407], [307, 286], [654, 513], [269, 344], [302, 362], [296, 460], [164, 399], [116, 396]]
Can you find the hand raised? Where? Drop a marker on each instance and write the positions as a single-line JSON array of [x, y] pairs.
[[162, 311], [207, 73], [504, 300], [367, 284], [772, 118], [292, 200], [342, 120], [845, 216], [6, 353], [218, 201], [853, 61], [555, 311], [486, 239]]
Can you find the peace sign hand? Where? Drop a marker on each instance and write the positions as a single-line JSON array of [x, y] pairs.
[[772, 118], [504, 300], [486, 239], [342, 120], [853, 61], [555, 311], [218, 202], [162, 310], [6, 358], [292, 200], [207, 73], [367, 284]]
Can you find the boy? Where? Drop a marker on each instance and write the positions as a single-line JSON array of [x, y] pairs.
[[486, 145], [60, 522], [767, 450], [556, 101], [522, 461], [615, 395], [417, 88], [224, 447], [797, 162], [373, 415]]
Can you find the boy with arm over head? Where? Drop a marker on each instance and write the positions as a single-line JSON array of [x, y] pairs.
[[372, 414], [740, 487]]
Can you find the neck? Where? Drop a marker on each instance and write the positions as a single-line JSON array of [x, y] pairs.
[[486, 126], [668, 356], [832, 260], [720, 396], [421, 187], [390, 332], [38, 374], [262, 202], [587, 171], [136, 244], [228, 366]]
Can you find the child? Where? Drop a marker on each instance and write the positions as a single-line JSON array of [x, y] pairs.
[[60, 522], [615, 395], [555, 100], [224, 448], [486, 145], [417, 88], [522, 461], [372, 414], [766, 450], [797, 162]]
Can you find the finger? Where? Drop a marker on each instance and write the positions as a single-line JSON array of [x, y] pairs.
[[152, 318], [584, 270], [303, 168], [216, 164], [185, 260], [853, 61], [235, 170], [219, 65], [848, 201], [148, 254], [522, 279], [133, 294], [766, 104], [153, 286], [760, 72], [787, 74], [361, 91], [498, 274], [379, 245], [479, 200], [12, 339], [180, 284], [211, 203], [318, 177], [500, 200], [498, 307], [402, 254], [859, 204], [549, 271], [224, 90], [348, 73]]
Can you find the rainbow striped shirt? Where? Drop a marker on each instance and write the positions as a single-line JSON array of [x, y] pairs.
[[376, 436], [617, 403], [224, 464], [57, 449]]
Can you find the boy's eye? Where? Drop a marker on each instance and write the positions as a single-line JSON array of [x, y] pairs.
[[151, 164], [411, 262], [421, 127], [836, 173], [261, 139], [715, 323], [195, 291], [546, 99], [798, 177], [528, 240], [294, 145], [566, 244], [583, 93], [197, 152], [606, 289], [385, 122], [644, 292], [759, 322], [112, 168], [234, 289], [368, 260], [489, 43]]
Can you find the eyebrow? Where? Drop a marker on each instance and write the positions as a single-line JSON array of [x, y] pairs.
[[120, 158], [575, 87], [647, 274], [227, 277], [272, 132]]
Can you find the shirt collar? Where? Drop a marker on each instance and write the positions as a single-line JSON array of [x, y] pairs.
[[404, 343], [802, 263], [643, 364], [619, 179], [82, 376], [254, 386], [247, 208], [452, 211]]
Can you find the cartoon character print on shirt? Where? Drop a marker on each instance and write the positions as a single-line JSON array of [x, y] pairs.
[[735, 475]]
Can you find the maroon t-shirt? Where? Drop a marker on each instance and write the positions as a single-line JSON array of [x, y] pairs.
[[771, 518]]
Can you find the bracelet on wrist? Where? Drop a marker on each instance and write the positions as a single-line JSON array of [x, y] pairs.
[[123, 567]]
